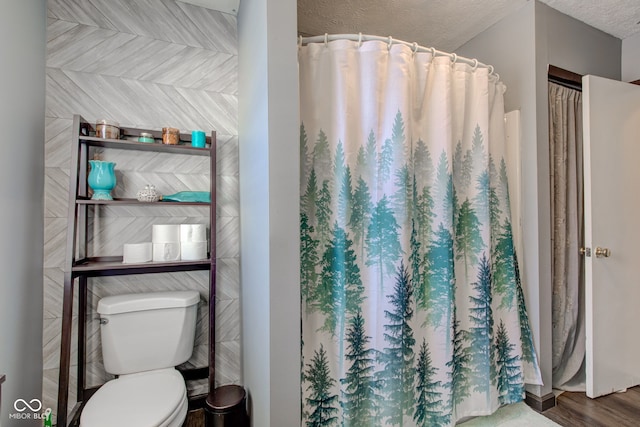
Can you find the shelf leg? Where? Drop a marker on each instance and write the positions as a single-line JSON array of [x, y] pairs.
[[65, 350], [82, 333]]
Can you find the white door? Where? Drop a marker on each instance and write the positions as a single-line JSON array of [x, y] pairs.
[[612, 222]]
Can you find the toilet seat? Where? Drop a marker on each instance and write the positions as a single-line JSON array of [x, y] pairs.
[[147, 399]]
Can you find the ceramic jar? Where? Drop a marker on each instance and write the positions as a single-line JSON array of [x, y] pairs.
[[170, 136], [146, 137], [148, 194]]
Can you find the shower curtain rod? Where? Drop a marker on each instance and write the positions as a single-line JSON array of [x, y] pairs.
[[326, 38]]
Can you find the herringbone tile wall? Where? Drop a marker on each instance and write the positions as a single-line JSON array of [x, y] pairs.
[[148, 64]]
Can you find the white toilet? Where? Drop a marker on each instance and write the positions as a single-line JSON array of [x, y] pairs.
[[144, 336]]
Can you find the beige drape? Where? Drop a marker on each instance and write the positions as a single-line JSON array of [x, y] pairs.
[[567, 267]]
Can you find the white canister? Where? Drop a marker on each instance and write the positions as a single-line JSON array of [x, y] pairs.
[[165, 233], [193, 251], [134, 253]]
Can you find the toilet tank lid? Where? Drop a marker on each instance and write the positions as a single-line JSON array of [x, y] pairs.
[[147, 301]]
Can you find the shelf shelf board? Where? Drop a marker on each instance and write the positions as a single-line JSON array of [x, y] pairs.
[[113, 266], [125, 144], [197, 373], [130, 202]]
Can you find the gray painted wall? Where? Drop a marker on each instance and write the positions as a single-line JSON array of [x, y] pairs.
[[575, 46], [520, 47], [269, 199], [253, 121], [21, 171], [631, 59], [149, 64]]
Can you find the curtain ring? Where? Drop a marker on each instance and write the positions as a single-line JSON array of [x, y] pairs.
[[433, 52], [454, 58], [326, 39], [415, 47], [475, 64], [299, 42], [497, 76], [359, 40], [490, 69], [390, 43]]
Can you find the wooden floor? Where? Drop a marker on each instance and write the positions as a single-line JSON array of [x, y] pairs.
[[571, 410], [614, 410], [194, 419]]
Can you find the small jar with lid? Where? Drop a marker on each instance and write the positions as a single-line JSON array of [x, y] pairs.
[[107, 129], [146, 137], [170, 136]]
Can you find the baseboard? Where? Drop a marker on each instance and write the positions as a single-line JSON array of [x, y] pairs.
[[540, 403]]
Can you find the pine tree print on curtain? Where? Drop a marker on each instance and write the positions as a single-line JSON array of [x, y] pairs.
[[360, 390], [397, 375], [321, 401], [413, 312]]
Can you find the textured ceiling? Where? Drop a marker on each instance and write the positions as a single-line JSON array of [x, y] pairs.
[[620, 18], [448, 24]]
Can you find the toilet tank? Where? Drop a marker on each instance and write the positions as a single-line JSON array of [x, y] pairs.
[[142, 332]]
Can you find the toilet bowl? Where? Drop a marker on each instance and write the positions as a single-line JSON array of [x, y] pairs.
[[144, 336]]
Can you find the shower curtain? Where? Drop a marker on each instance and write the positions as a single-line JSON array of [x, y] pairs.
[[412, 307], [567, 217]]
